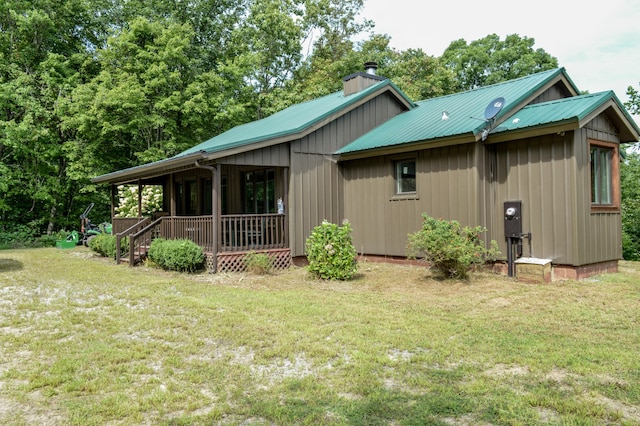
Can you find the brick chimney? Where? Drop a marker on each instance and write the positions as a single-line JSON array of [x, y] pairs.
[[359, 81]]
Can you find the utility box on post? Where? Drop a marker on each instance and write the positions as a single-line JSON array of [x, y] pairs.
[[513, 219]]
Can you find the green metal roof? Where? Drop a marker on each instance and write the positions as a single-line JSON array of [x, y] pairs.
[[290, 121], [464, 112], [562, 110]]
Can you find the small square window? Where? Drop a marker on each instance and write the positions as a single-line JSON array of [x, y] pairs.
[[405, 176]]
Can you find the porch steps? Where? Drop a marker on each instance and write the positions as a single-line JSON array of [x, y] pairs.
[[142, 255]]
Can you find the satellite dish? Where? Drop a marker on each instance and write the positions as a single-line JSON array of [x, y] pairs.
[[494, 107]]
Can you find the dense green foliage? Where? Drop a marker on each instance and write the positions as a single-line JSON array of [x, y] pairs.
[[630, 194], [105, 245], [176, 255], [450, 248], [330, 251], [88, 87], [491, 60]]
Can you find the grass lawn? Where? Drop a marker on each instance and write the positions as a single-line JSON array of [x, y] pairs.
[[84, 341]]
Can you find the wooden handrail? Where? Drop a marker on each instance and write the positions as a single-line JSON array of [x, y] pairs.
[[126, 233], [136, 241]]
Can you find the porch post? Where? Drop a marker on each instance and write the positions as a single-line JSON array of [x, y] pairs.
[[172, 196], [139, 198], [216, 208], [287, 207], [172, 205], [114, 189]]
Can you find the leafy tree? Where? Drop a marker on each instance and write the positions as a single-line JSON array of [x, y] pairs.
[[633, 104], [147, 103], [630, 200], [268, 50], [41, 45], [630, 190], [490, 60]]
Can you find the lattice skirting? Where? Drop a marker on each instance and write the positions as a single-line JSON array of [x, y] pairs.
[[232, 261]]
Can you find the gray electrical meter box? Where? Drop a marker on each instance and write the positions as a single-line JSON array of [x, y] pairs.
[[513, 219]]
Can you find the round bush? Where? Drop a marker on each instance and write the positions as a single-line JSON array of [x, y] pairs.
[[450, 248], [330, 251], [104, 245], [177, 255]]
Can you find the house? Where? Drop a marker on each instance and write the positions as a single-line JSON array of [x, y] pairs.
[[372, 155]]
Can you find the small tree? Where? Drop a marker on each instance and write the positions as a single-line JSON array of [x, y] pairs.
[[330, 251], [128, 200], [450, 248]]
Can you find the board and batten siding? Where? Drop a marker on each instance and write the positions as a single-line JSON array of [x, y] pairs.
[[539, 172], [271, 156], [316, 180], [599, 233], [446, 186], [551, 176]]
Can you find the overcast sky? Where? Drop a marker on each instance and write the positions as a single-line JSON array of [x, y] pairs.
[[597, 42]]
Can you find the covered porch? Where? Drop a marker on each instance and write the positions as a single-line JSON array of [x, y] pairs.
[[228, 210]]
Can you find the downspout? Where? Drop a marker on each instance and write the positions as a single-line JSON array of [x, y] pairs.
[[214, 209]]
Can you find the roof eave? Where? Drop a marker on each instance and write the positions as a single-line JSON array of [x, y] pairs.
[[407, 147], [148, 170], [533, 131]]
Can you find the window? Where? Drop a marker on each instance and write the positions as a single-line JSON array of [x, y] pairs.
[[259, 191], [405, 172], [605, 178]]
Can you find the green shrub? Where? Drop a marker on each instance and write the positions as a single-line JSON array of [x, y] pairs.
[[176, 255], [630, 248], [46, 241], [18, 236], [330, 251], [450, 249], [104, 245], [257, 263]]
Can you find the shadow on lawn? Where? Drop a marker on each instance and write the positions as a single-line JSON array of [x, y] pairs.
[[7, 265]]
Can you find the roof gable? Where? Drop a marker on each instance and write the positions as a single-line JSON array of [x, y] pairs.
[[291, 123], [574, 112], [295, 120], [459, 115]]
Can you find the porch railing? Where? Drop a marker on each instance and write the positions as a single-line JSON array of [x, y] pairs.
[[198, 229], [120, 224], [252, 232], [237, 233], [136, 224], [140, 242]]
